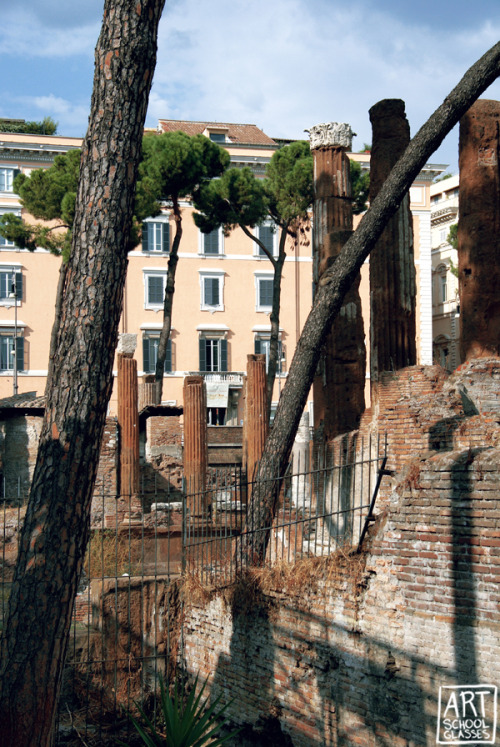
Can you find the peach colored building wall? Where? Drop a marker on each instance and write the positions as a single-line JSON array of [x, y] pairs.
[[237, 319]]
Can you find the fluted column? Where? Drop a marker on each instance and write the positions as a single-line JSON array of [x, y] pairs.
[[339, 385], [128, 422], [147, 392], [256, 426], [195, 443], [479, 231], [392, 264]]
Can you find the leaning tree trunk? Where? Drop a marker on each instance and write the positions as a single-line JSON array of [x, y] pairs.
[[56, 528], [168, 301], [332, 288], [274, 318]]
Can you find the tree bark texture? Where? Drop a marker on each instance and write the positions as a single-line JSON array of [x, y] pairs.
[[274, 318], [332, 289], [56, 528]]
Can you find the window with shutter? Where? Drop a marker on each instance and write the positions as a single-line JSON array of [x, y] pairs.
[[213, 354], [212, 290], [211, 242], [6, 243], [7, 179], [266, 236], [11, 282], [154, 284], [262, 346], [150, 343], [212, 297], [156, 237], [265, 294], [10, 350]]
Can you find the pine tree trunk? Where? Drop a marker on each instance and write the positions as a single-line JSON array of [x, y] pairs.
[[334, 284], [168, 303], [56, 528], [275, 322]]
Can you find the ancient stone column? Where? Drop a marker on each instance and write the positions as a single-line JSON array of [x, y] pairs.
[[128, 423], [392, 265], [147, 391], [479, 231], [256, 426], [339, 385], [301, 487], [195, 444]]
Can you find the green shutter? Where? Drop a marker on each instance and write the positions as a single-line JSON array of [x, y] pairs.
[[145, 239], [168, 357], [212, 294], [215, 292], [166, 237], [145, 354], [265, 293], [155, 289], [19, 286], [223, 355], [266, 235], [203, 354], [211, 242], [257, 346], [20, 353]]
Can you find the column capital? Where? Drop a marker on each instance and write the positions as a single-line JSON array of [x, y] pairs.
[[331, 134], [127, 344]]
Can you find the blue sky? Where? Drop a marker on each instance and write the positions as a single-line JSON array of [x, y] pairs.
[[283, 65]]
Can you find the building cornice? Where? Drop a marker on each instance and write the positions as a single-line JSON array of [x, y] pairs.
[[444, 215]]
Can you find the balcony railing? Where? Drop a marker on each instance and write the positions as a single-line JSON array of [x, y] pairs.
[[229, 377]]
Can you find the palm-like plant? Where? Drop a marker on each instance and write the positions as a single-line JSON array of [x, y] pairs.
[[187, 720]]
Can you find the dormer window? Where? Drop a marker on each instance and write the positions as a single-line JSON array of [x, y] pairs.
[[217, 134]]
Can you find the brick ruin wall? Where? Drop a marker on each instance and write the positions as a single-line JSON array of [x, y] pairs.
[[357, 657]]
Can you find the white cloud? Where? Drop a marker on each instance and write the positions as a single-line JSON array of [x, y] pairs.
[[284, 65], [23, 32], [71, 116]]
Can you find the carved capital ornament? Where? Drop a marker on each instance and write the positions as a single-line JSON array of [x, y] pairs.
[[331, 134]]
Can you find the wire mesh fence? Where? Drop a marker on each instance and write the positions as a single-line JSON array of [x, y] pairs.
[[127, 621]]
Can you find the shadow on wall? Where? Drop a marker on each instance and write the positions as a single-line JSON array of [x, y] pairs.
[[251, 634], [332, 697], [464, 595]]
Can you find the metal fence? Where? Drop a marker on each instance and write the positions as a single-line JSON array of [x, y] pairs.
[[127, 622], [318, 511]]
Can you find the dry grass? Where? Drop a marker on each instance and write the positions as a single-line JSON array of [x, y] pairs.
[[255, 591], [109, 555]]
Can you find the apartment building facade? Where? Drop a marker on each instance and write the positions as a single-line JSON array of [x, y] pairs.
[[445, 301], [223, 284]]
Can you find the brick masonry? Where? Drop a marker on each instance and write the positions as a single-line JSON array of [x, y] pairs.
[[357, 657]]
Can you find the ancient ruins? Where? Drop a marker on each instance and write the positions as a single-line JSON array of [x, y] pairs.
[[343, 641], [339, 386], [392, 267]]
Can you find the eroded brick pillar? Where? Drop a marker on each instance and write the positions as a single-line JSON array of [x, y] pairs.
[[392, 264], [195, 443], [339, 385], [128, 423], [479, 231], [256, 422]]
